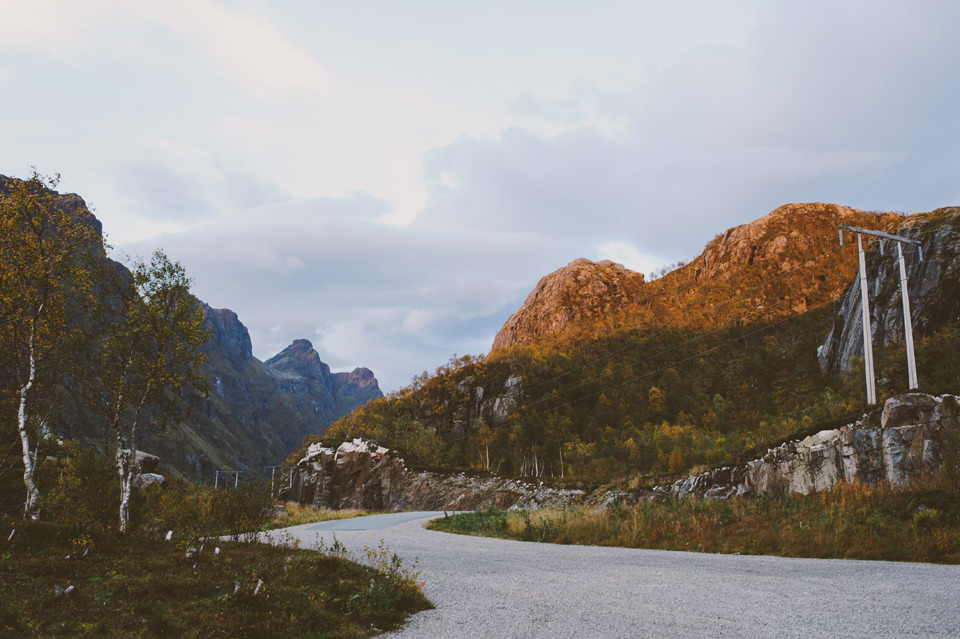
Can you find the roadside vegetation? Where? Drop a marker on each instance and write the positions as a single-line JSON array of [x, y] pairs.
[[183, 568], [293, 514], [56, 582], [850, 521]]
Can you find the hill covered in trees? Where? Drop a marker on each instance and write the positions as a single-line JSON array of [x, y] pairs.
[[603, 377]]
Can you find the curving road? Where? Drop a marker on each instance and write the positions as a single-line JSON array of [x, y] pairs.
[[495, 588]]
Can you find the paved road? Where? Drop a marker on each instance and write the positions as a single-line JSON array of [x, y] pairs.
[[504, 589]]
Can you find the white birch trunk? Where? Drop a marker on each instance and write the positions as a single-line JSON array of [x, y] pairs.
[[125, 462], [31, 507]]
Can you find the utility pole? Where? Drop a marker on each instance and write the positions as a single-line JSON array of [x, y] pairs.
[[867, 331], [905, 296]]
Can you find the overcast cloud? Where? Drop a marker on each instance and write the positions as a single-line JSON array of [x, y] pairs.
[[390, 180]]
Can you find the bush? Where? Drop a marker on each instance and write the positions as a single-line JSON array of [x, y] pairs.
[[193, 512], [86, 495], [241, 512]]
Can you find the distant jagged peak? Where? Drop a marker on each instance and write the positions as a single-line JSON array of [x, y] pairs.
[[360, 377], [228, 331], [300, 358]]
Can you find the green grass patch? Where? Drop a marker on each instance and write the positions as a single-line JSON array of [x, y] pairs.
[[138, 586], [850, 521]]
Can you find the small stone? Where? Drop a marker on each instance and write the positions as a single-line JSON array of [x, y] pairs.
[[59, 591]]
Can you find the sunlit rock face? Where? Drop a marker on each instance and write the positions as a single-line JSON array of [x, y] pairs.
[[783, 263], [906, 445]]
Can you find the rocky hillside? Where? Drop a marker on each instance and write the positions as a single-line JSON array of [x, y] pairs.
[[612, 378], [253, 413], [256, 412], [904, 442], [781, 264], [933, 285]]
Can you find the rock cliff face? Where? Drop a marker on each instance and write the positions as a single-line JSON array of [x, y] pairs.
[[781, 264], [906, 444], [933, 285]]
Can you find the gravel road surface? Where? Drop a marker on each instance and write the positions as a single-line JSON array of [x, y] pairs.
[[494, 588]]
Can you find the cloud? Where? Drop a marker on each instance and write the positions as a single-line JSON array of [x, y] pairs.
[[183, 188], [239, 42], [850, 103], [161, 191], [244, 44], [395, 299]]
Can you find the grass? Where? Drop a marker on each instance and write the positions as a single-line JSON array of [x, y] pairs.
[[850, 521], [138, 586], [295, 514]]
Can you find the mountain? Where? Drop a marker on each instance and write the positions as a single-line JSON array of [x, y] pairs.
[[252, 414], [256, 412], [781, 264], [602, 376]]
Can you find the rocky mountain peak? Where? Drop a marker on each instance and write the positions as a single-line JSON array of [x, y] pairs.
[[302, 359], [785, 262], [787, 238], [229, 334], [580, 291], [360, 377]]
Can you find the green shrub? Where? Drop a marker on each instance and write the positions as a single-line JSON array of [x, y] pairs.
[[86, 495]]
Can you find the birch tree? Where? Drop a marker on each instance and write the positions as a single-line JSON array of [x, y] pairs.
[[149, 354], [45, 252]]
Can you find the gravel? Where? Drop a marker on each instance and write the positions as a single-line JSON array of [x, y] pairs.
[[497, 588]]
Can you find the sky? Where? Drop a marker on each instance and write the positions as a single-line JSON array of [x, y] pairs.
[[389, 180]]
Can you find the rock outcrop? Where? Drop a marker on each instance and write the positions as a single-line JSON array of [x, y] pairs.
[[905, 445], [933, 285], [582, 291], [361, 475]]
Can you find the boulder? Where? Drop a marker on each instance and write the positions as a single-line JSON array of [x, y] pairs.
[[143, 480], [144, 462]]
